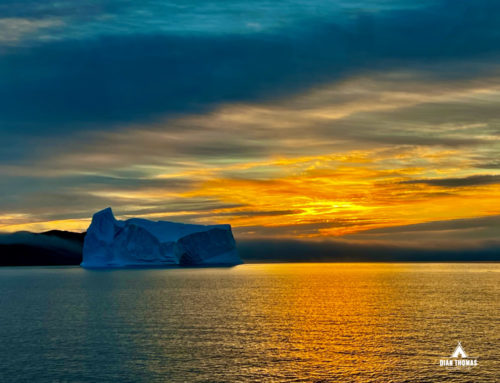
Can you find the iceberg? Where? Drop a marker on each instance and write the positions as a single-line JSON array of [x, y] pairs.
[[139, 242]]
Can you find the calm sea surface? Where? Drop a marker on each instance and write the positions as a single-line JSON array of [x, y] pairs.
[[251, 323]]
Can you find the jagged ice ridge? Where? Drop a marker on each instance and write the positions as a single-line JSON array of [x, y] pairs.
[[140, 242]]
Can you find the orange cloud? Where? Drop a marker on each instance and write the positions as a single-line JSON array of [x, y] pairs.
[[350, 198]]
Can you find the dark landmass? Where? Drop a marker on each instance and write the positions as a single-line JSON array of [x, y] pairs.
[[50, 248], [69, 235], [58, 247]]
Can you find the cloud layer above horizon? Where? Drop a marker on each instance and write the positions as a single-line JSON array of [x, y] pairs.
[[375, 121]]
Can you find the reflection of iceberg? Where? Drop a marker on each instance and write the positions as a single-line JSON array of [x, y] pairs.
[[139, 242]]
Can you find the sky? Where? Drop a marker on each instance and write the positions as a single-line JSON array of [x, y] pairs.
[[366, 122]]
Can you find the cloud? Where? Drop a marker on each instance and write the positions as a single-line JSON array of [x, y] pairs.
[[454, 234], [89, 18], [446, 225], [319, 158], [326, 120], [113, 78], [359, 113], [351, 251], [475, 180], [15, 30], [488, 165]]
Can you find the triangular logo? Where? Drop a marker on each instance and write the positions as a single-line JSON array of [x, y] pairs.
[[459, 352]]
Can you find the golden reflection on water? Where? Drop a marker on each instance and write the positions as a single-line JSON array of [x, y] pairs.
[[333, 321], [336, 322]]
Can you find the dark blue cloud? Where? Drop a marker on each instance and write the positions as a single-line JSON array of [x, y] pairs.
[[338, 251], [492, 221], [475, 180], [61, 86]]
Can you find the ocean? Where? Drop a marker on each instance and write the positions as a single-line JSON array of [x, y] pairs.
[[301, 322]]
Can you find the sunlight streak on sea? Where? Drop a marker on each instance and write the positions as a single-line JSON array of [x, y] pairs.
[[256, 322]]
